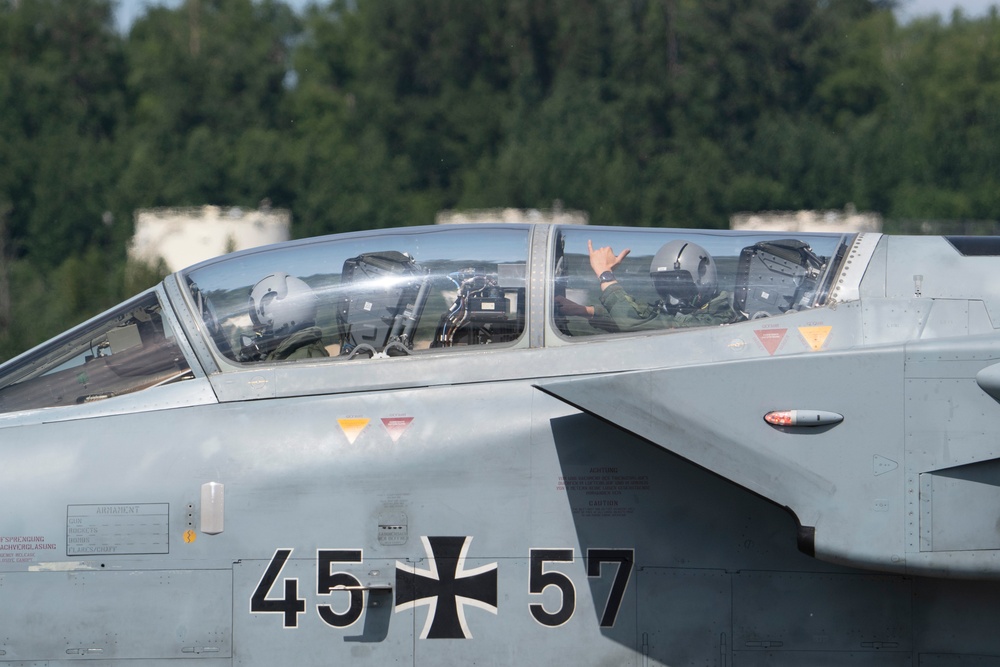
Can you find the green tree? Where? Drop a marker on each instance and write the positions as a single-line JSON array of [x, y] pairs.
[[207, 81], [61, 104], [940, 130]]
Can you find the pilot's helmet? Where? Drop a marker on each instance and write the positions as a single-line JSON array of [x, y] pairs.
[[684, 274], [282, 304]]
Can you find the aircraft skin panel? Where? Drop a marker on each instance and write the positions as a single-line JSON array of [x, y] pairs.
[[884, 626], [932, 268], [873, 285], [706, 615], [882, 324], [951, 463], [191, 615], [963, 635], [882, 658], [168, 397]]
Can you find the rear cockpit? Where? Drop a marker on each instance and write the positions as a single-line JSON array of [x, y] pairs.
[[757, 275]]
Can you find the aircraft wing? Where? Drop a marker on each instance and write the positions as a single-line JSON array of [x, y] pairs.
[[862, 413]]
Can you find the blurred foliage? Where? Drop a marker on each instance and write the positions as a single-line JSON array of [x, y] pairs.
[[374, 113]]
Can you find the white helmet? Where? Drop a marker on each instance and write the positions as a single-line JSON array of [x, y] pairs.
[[684, 274], [281, 304]]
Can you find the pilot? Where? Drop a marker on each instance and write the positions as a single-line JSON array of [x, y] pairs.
[[685, 277], [283, 312]]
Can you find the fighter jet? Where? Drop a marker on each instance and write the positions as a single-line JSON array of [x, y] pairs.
[[517, 445]]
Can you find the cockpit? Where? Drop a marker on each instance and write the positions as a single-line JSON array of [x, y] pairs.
[[758, 274], [405, 293], [368, 297]]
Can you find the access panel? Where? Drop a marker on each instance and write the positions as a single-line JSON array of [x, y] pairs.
[[685, 616], [116, 615]]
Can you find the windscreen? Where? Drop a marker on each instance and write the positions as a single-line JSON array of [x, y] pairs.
[[127, 350]]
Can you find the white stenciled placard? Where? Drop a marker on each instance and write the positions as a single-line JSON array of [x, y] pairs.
[[99, 530]]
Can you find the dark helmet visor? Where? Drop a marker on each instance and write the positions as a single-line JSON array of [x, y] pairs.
[[677, 285]]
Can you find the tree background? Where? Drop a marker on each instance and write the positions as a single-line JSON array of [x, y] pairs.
[[376, 113]]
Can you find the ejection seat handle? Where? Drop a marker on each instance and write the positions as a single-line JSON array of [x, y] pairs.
[[364, 348]]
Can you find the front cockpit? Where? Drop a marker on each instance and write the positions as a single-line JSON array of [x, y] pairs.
[[366, 296]]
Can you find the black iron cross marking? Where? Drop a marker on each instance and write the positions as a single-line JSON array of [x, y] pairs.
[[446, 587]]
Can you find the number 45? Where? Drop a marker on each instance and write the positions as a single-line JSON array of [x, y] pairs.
[[290, 605]]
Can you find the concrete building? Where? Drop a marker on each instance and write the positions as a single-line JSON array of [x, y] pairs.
[[555, 215], [848, 220], [185, 236]]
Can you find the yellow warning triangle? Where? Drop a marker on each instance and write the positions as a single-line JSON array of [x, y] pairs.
[[352, 427], [815, 336]]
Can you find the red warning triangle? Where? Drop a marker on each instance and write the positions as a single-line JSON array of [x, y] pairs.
[[771, 338], [396, 426]]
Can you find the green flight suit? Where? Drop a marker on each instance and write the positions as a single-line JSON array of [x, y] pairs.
[[629, 315], [304, 344]]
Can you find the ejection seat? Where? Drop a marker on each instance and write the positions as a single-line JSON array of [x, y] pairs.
[[384, 296], [774, 277]]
